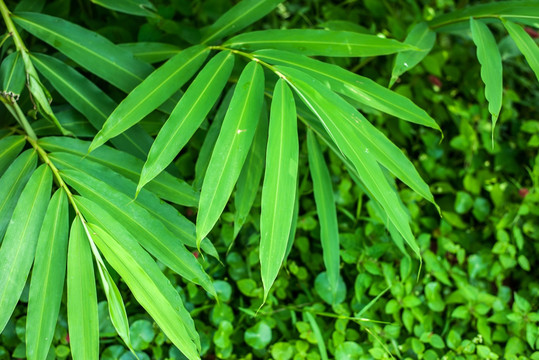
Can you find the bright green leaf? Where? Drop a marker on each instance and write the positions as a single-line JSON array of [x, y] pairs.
[[525, 43]]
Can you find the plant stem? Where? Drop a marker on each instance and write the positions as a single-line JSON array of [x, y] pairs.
[[6, 15]]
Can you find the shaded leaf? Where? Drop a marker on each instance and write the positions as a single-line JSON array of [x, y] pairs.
[[280, 184], [354, 86], [164, 185], [19, 245], [82, 315], [419, 36], [238, 17], [47, 283], [132, 7], [12, 75], [526, 45], [151, 52], [231, 148], [10, 147], [327, 212], [152, 92], [491, 67], [187, 116], [317, 42]]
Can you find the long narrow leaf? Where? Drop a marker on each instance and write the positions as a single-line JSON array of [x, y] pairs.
[[327, 212], [251, 174], [318, 335], [525, 43], [422, 37], [164, 185], [82, 315], [152, 92], [10, 147], [19, 245], [87, 48], [12, 75], [318, 42], [231, 148], [12, 182], [90, 101], [151, 52], [354, 86], [327, 106], [280, 183], [145, 228], [47, 283], [491, 67], [238, 17], [187, 116], [132, 7]]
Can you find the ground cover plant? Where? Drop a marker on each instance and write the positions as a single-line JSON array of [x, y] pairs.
[[266, 179]]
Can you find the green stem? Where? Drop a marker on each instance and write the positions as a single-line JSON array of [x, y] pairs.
[[248, 56], [17, 113]]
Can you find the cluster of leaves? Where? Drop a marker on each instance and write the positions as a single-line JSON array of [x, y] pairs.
[[462, 306]]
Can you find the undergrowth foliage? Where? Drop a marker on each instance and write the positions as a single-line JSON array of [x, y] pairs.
[[89, 193]]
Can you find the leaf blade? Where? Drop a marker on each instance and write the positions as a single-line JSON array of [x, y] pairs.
[[525, 43]]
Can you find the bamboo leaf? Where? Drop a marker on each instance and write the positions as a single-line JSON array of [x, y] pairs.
[[13, 181], [82, 315], [420, 36], [148, 284], [354, 86], [182, 228], [251, 174], [231, 148], [187, 116], [152, 92], [151, 52], [238, 17], [491, 67], [525, 43], [47, 283], [210, 139], [87, 48], [327, 212], [10, 147], [132, 7], [164, 185], [341, 125], [280, 184], [12, 74], [19, 245], [90, 101], [317, 42], [145, 228], [507, 9]]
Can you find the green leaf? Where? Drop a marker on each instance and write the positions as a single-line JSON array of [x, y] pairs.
[[145, 228], [210, 139], [47, 283], [525, 43], [354, 86], [87, 48], [318, 335], [149, 286], [132, 7], [13, 182], [238, 17], [187, 116], [164, 185], [422, 37], [344, 124], [317, 42], [327, 212], [182, 228], [507, 9], [231, 147], [491, 67], [90, 101], [12, 75], [10, 147], [152, 92], [251, 174], [151, 52], [82, 315], [19, 245], [258, 336], [280, 184]]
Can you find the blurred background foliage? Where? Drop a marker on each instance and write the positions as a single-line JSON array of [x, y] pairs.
[[477, 292]]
